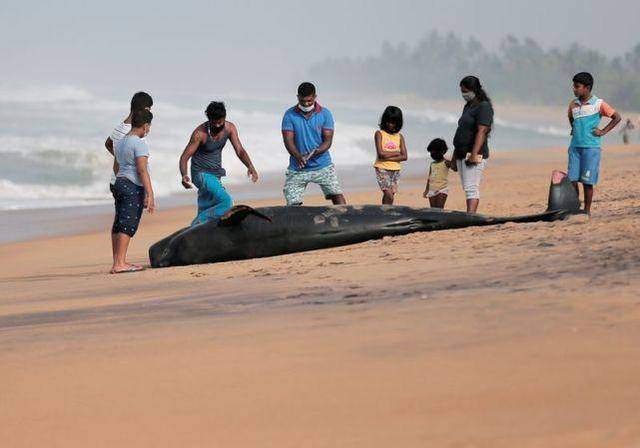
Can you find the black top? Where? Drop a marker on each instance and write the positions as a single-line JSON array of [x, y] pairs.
[[208, 156], [473, 115]]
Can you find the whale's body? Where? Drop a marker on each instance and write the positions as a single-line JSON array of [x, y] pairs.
[[262, 232]]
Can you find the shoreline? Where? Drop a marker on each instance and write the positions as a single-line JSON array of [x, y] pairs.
[[24, 225], [86, 219]]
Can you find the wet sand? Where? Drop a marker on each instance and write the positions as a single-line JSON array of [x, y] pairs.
[[521, 335]]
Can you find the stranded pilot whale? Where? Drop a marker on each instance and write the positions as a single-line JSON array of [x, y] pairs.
[[244, 232]]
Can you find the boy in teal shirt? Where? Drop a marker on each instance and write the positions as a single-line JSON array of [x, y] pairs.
[[585, 112]]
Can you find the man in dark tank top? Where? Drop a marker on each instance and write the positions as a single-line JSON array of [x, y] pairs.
[[205, 151]]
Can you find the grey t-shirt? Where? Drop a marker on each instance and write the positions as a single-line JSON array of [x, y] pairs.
[[126, 151], [472, 116]]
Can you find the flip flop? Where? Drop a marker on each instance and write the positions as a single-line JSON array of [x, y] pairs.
[[130, 269]]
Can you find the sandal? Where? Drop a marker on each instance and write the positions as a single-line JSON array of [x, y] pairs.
[[131, 268]]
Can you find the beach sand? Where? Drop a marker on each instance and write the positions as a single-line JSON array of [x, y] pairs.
[[522, 335]]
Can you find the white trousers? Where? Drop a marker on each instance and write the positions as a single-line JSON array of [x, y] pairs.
[[471, 177]]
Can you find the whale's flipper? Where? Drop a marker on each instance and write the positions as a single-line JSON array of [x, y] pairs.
[[562, 194], [237, 214]]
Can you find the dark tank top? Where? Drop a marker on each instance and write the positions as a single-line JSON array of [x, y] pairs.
[[208, 156]]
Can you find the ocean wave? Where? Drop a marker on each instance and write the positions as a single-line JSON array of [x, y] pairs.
[[16, 196], [37, 95], [432, 116], [69, 141], [547, 130], [435, 116]]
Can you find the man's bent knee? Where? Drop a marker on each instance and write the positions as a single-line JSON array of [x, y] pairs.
[[226, 201]]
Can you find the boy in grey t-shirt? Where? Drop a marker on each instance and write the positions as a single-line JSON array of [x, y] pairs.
[[127, 151], [132, 190]]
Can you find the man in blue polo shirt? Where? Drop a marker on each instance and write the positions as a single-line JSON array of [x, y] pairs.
[[307, 130]]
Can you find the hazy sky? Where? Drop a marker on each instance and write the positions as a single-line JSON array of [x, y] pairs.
[[247, 45]]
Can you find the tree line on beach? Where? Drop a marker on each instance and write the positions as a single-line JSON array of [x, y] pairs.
[[519, 70]]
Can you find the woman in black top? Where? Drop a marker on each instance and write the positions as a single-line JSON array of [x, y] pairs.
[[471, 150]]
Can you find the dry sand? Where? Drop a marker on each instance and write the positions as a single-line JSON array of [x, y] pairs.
[[508, 336]]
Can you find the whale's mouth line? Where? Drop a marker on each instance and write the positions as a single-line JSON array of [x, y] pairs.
[[330, 232], [401, 225], [413, 223]]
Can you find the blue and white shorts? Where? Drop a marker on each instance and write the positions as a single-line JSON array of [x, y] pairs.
[[584, 165]]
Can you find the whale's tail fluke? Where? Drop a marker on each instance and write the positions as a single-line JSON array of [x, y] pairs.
[[562, 194], [563, 201]]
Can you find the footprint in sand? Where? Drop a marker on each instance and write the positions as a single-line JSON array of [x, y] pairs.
[[296, 296], [351, 295], [356, 302]]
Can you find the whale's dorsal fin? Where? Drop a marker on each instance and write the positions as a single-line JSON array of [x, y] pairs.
[[237, 214]]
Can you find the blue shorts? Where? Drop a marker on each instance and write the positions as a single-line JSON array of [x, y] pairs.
[[129, 202], [584, 165]]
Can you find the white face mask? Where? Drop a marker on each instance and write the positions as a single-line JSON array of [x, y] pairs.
[[307, 109], [468, 96]]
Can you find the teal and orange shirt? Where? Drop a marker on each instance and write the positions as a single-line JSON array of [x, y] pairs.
[[586, 118]]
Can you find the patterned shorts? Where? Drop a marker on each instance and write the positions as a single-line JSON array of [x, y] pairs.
[[387, 179], [129, 202], [296, 183]]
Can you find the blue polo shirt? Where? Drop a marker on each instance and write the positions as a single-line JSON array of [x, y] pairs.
[[308, 135]]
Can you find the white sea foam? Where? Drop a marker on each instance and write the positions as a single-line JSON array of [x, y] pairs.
[[435, 116], [38, 95], [546, 130], [78, 153], [16, 196]]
